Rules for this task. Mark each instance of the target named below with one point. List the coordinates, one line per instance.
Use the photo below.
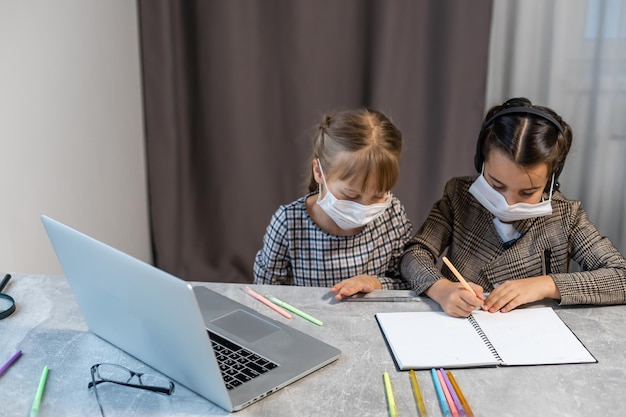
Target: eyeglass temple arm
(126, 384)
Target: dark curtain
(234, 88)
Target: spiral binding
(484, 337)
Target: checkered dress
(297, 252)
(460, 224)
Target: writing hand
(455, 300)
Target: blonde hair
(357, 144)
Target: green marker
(42, 385)
(294, 310)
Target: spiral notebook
(531, 336)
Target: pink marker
(265, 301)
(446, 393)
(455, 398)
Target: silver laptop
(184, 332)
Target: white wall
(71, 128)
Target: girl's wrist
(376, 284)
(550, 288)
(435, 290)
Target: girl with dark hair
(510, 231)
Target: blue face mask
(495, 202)
(349, 214)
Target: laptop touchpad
(245, 326)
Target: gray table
(49, 328)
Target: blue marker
(440, 396)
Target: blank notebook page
(532, 336)
(433, 339)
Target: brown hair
(358, 144)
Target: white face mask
(495, 202)
(349, 214)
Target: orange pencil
(459, 393)
(458, 275)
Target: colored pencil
(294, 310)
(8, 363)
(445, 410)
(455, 398)
(459, 276)
(417, 393)
(389, 393)
(39, 394)
(446, 393)
(265, 301)
(459, 393)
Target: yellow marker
(390, 401)
(418, 393)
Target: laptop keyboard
(238, 365)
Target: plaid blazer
(460, 224)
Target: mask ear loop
(319, 164)
(551, 187)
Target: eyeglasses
(120, 375)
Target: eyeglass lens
(118, 373)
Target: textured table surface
(48, 327)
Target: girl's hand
(511, 294)
(454, 298)
(359, 283)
